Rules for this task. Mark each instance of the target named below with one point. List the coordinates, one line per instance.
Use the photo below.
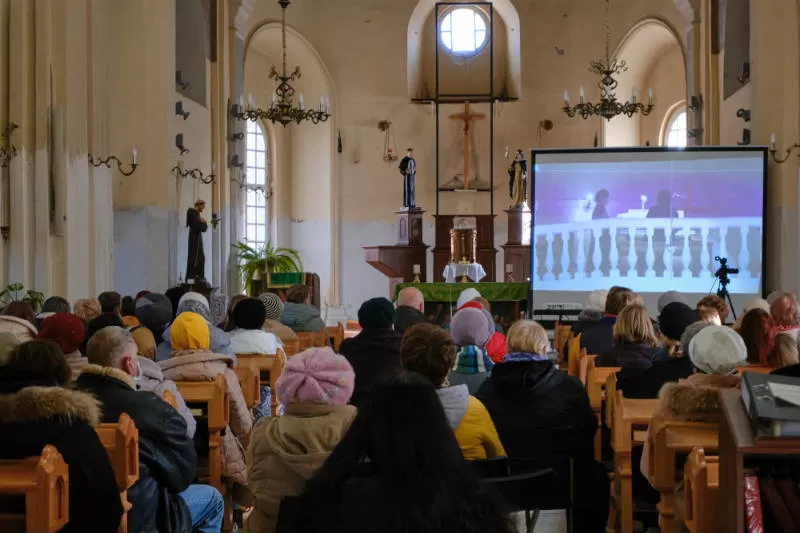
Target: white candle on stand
(650, 95)
(633, 94)
(581, 93)
(302, 106)
(274, 99)
(250, 101)
(417, 269)
(566, 97)
(772, 140)
(134, 155)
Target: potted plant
(257, 263)
(16, 292)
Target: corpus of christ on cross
(467, 117)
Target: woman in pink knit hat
(286, 451)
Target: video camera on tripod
(722, 274)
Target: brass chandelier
(608, 107)
(283, 110)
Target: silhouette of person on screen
(663, 209)
(601, 201)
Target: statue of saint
(408, 168)
(196, 259)
(518, 180)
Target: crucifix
(467, 117)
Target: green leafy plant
(16, 292)
(254, 263)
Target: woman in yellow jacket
(431, 352)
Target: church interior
(574, 223)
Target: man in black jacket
(410, 309)
(163, 498)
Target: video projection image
(650, 220)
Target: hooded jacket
(23, 330)
(220, 343)
(33, 413)
(694, 399)
(471, 423)
(202, 365)
(152, 379)
(167, 459)
(302, 318)
(286, 451)
(374, 355)
(538, 410)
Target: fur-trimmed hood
(696, 398)
(110, 372)
(36, 403)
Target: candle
(650, 95)
(134, 155)
(566, 97)
(581, 91)
(213, 167)
(772, 140)
(250, 101)
(321, 103)
(274, 99)
(301, 101)
(633, 94)
(417, 269)
(509, 268)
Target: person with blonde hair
(600, 337)
(634, 340)
(86, 309)
(785, 311)
(542, 412)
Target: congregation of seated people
(389, 434)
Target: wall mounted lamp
(773, 151)
(179, 144)
(96, 162)
(180, 111)
(194, 173)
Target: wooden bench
(595, 384)
(669, 445)
(336, 334)
(44, 483)
(268, 368)
(575, 356)
(628, 426)
(291, 348)
(561, 335)
(701, 486)
(248, 380)
(761, 369)
(317, 339)
(121, 441)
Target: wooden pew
(336, 334)
(668, 444)
(596, 378)
(583, 371)
(121, 441)
(701, 485)
(291, 348)
(268, 367)
(44, 483)
(313, 339)
(761, 369)
(576, 353)
(169, 398)
(209, 402)
(248, 380)
(630, 421)
(561, 334)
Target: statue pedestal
(517, 255)
(397, 262)
(409, 227)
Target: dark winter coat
(35, 412)
(637, 383)
(531, 403)
(374, 355)
(302, 318)
(167, 458)
(405, 317)
(628, 355)
(599, 337)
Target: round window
(464, 31)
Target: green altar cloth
(448, 292)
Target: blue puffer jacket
(302, 318)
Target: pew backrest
(701, 482)
(575, 355)
(249, 382)
(268, 368)
(336, 334)
(121, 441)
(313, 339)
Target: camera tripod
(724, 280)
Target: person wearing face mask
(163, 498)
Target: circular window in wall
(464, 31)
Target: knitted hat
(596, 301)
(670, 297)
(273, 304)
(376, 313)
(156, 318)
(8, 343)
(717, 350)
(756, 303)
(471, 327)
(249, 314)
(86, 309)
(467, 295)
(675, 318)
(144, 339)
(189, 332)
(155, 299)
(316, 375)
(64, 329)
(193, 302)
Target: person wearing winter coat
(163, 498)
(197, 303)
(600, 337)
(274, 308)
(151, 378)
(8, 343)
(410, 309)
(36, 410)
(634, 340)
(286, 451)
(66, 330)
(471, 329)
(300, 315)
(192, 360)
(715, 351)
(17, 318)
(431, 352)
(375, 352)
(541, 412)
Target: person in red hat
(66, 330)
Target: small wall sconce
(96, 162)
(696, 103)
(7, 154)
(180, 111)
(745, 137)
(194, 173)
(744, 77)
(180, 82)
(236, 162)
(773, 151)
(179, 144)
(743, 114)
(242, 183)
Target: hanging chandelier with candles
(282, 110)
(608, 107)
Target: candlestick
(134, 155)
(250, 101)
(274, 99)
(566, 97)
(650, 95)
(581, 93)
(417, 269)
(633, 94)
(302, 106)
(772, 140)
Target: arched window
(463, 31)
(256, 180)
(675, 130)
